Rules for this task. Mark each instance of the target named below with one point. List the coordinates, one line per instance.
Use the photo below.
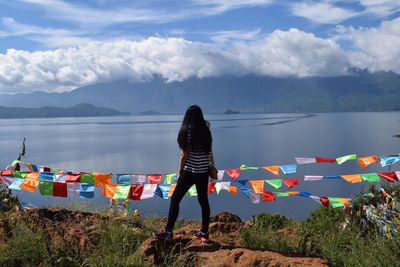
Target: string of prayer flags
(268, 196)
(389, 160)
(313, 177)
(86, 190)
(275, 183)
(286, 169)
(272, 169)
(233, 173)
(281, 194)
(343, 159)
(246, 168)
(301, 161)
(365, 161)
(154, 178)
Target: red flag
(136, 191)
(73, 178)
(211, 188)
(324, 201)
(59, 189)
(290, 182)
(154, 178)
(268, 196)
(389, 176)
(6, 173)
(321, 160)
(234, 173)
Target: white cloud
(282, 53)
(322, 12)
(376, 48)
(228, 36)
(381, 8)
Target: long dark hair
(200, 134)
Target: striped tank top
(197, 161)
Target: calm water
(147, 144)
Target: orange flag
(273, 169)
(352, 178)
(101, 179)
(257, 185)
(233, 190)
(32, 176)
(171, 190)
(365, 161)
(29, 185)
(109, 190)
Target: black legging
(185, 181)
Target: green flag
(246, 168)
(275, 183)
(87, 178)
(122, 191)
(46, 188)
(335, 202)
(169, 178)
(192, 191)
(281, 194)
(370, 177)
(15, 162)
(346, 158)
(18, 174)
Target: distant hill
(358, 91)
(80, 110)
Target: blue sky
(42, 40)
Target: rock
(225, 217)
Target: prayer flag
(336, 202)
(73, 189)
(60, 189)
(29, 185)
(233, 173)
(388, 176)
(316, 199)
(389, 160)
(268, 196)
(257, 185)
(304, 194)
(343, 159)
(46, 188)
(281, 194)
(171, 190)
(46, 176)
(87, 178)
(324, 201)
(242, 182)
(169, 178)
(290, 182)
(136, 191)
(332, 177)
(138, 178)
(305, 160)
(101, 179)
(73, 178)
(148, 191)
(7, 180)
(275, 183)
(293, 193)
(29, 167)
(222, 186)
(122, 191)
(246, 168)
(154, 178)
(365, 161)
(123, 179)
(211, 188)
(86, 190)
(322, 160)
(60, 178)
(162, 190)
(220, 174)
(233, 190)
(244, 190)
(6, 173)
(352, 178)
(313, 177)
(192, 192)
(273, 169)
(370, 177)
(34, 168)
(18, 174)
(32, 176)
(254, 198)
(288, 168)
(15, 185)
(109, 190)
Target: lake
(147, 144)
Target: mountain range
(361, 90)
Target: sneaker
(162, 234)
(200, 235)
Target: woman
(196, 158)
